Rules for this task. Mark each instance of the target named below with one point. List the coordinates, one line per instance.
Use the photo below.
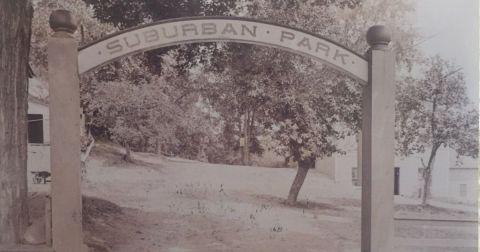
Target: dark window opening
(35, 128)
(396, 185)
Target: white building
(463, 179)
(453, 179)
(38, 157)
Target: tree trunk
(15, 23)
(247, 131)
(427, 172)
(246, 149)
(157, 146)
(250, 135)
(427, 175)
(286, 162)
(201, 155)
(426, 185)
(303, 167)
(128, 156)
(241, 141)
(144, 145)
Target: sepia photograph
(239, 125)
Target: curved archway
(216, 29)
(66, 62)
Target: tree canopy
(434, 111)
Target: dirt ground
(180, 205)
(161, 204)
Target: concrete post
(359, 157)
(67, 234)
(378, 144)
(48, 221)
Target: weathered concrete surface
(378, 153)
(65, 143)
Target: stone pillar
(359, 157)
(378, 144)
(67, 234)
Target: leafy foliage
(92, 28)
(127, 14)
(131, 112)
(434, 111)
(306, 106)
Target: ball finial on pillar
(63, 20)
(378, 37)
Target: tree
(151, 114)
(434, 111)
(303, 124)
(15, 23)
(308, 114)
(248, 70)
(317, 106)
(240, 97)
(134, 115)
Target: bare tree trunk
(426, 185)
(286, 161)
(246, 142)
(303, 167)
(144, 144)
(250, 124)
(427, 172)
(15, 25)
(247, 131)
(201, 155)
(242, 140)
(157, 146)
(128, 156)
(427, 175)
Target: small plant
(221, 189)
(277, 228)
(201, 208)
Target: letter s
(114, 46)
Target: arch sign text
(194, 30)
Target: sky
(455, 24)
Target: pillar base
(26, 248)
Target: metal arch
(178, 31)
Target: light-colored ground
(176, 205)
